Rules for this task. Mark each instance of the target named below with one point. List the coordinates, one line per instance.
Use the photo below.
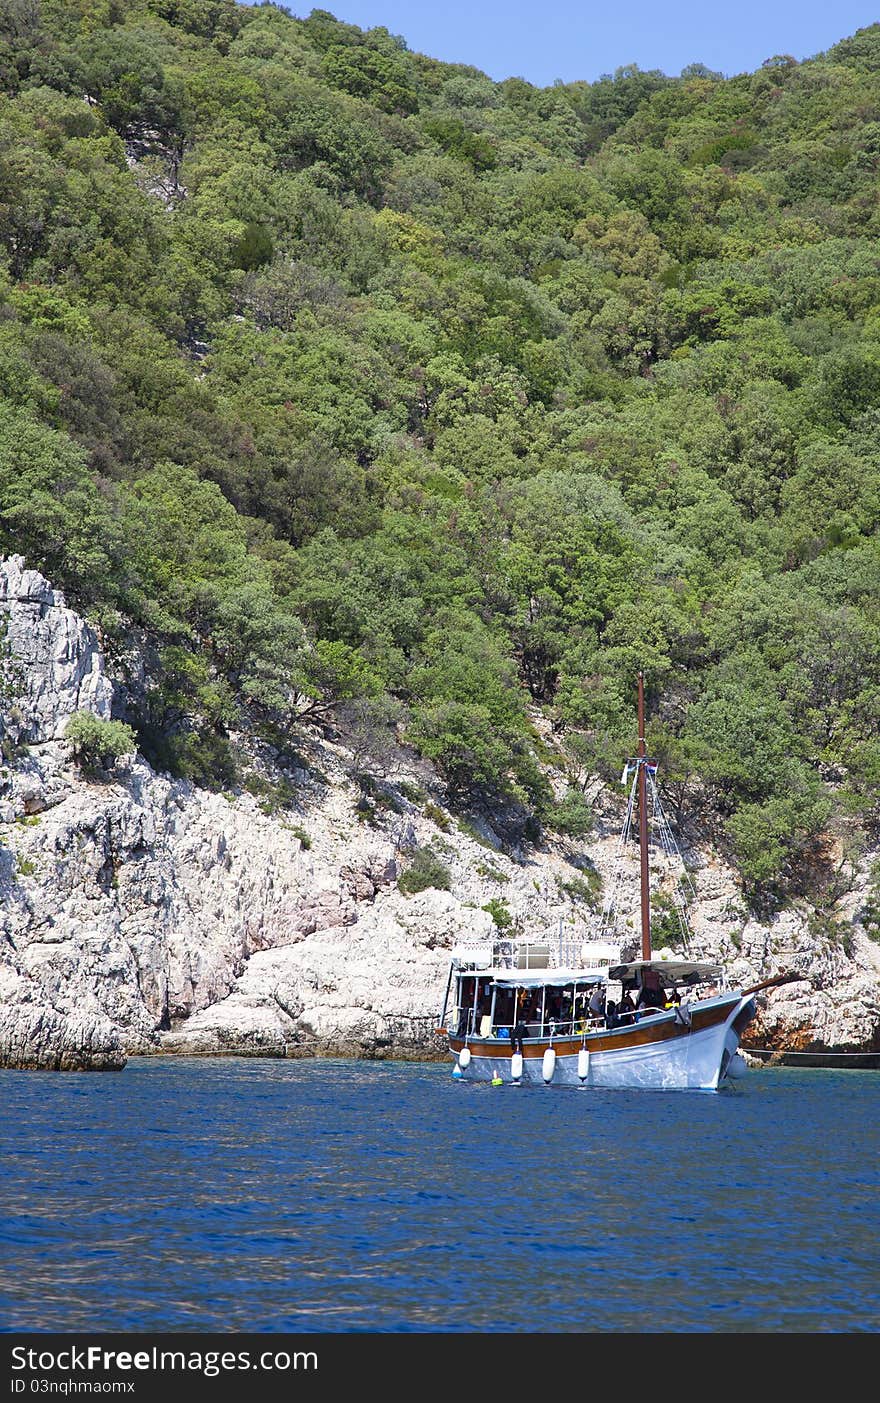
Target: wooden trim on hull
(637, 1035)
(744, 1017)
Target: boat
(548, 1011)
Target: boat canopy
(537, 979)
(670, 971)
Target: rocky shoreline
(143, 915)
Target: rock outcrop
(140, 913)
(55, 656)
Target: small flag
(652, 767)
(625, 776)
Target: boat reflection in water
(550, 1012)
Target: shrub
(488, 869)
(425, 870)
(373, 796)
(412, 792)
(97, 743)
(586, 888)
(499, 913)
(271, 794)
(571, 816)
(202, 755)
(666, 922)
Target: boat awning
(670, 971)
(538, 978)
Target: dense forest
(350, 383)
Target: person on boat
(626, 1008)
(653, 998)
(580, 1013)
(517, 1033)
(651, 994)
(611, 1015)
(597, 1002)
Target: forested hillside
(351, 382)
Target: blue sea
(243, 1195)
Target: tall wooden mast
(643, 827)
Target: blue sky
(542, 40)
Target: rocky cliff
(140, 913)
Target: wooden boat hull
(660, 1052)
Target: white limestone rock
(45, 1027)
(58, 665)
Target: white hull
(693, 1061)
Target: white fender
(737, 1066)
(516, 1066)
(548, 1066)
(583, 1064)
(464, 1058)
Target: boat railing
(463, 1023)
(550, 952)
(469, 1027)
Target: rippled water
(238, 1195)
